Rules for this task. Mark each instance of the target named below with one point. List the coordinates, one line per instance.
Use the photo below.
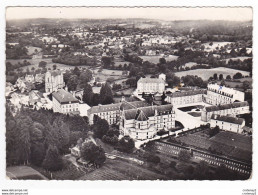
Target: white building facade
(219, 95)
(227, 123)
(186, 97)
(54, 80)
(65, 103)
(144, 123)
(151, 85)
(224, 110)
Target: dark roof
(226, 106)
(228, 119)
(151, 80)
(64, 97)
(124, 105)
(188, 93)
(55, 73)
(144, 113)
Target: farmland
(23, 172)
(35, 63)
(118, 169)
(228, 143)
(214, 45)
(205, 74)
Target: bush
(154, 159)
(184, 155)
(172, 164)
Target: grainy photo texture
(116, 93)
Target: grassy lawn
(195, 114)
(24, 172)
(205, 74)
(69, 172)
(155, 59)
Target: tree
(93, 153)
(238, 75)
(76, 71)
(246, 85)
(106, 94)
(228, 77)
(87, 94)
(215, 76)
(162, 61)
(184, 155)
(213, 131)
(220, 77)
(107, 61)
(85, 77)
(126, 144)
(72, 83)
(52, 161)
(24, 125)
(153, 158)
(42, 64)
(100, 128)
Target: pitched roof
(226, 106)
(188, 93)
(151, 80)
(64, 97)
(144, 113)
(55, 73)
(124, 105)
(228, 119)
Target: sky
(234, 14)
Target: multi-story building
(54, 80)
(228, 123)
(144, 123)
(218, 95)
(111, 112)
(186, 97)
(151, 85)
(64, 102)
(224, 110)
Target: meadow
(155, 59)
(205, 74)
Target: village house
(64, 102)
(111, 112)
(144, 123)
(218, 95)
(54, 80)
(228, 123)
(186, 97)
(39, 78)
(151, 85)
(224, 110)
(9, 88)
(29, 78)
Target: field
(31, 50)
(155, 59)
(228, 143)
(209, 48)
(122, 170)
(24, 172)
(238, 58)
(35, 63)
(205, 74)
